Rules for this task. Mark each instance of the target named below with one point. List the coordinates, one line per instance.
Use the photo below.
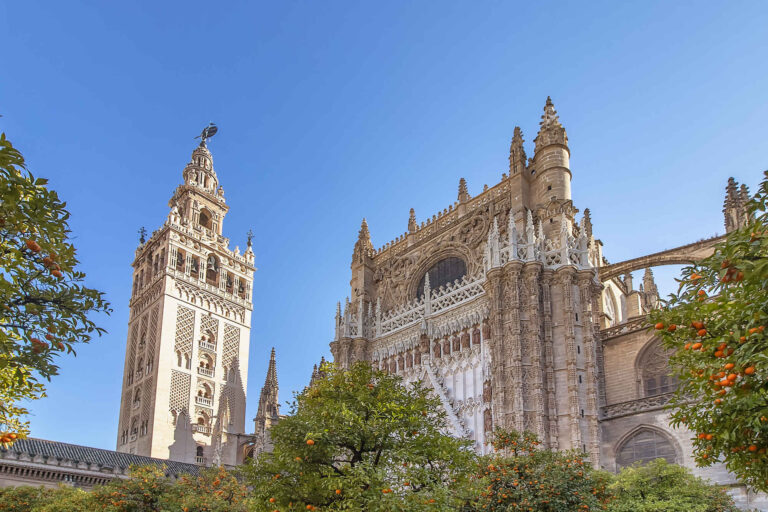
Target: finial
(412, 221)
(250, 240)
(463, 192)
(142, 235)
(364, 234)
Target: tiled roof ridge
(80, 453)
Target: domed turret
(199, 171)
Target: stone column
(532, 340)
(496, 391)
(565, 277)
(549, 360)
(588, 291)
(512, 340)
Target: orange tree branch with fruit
(360, 439)
(716, 323)
(521, 476)
(44, 308)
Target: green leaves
(360, 440)
(44, 309)
(720, 314)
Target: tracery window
(654, 371)
(644, 446)
(442, 273)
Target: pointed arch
(652, 371)
(645, 443)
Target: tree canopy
(45, 310)
(716, 324)
(358, 439)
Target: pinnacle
(412, 226)
(463, 191)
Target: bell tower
(186, 363)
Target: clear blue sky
(330, 111)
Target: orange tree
(716, 324)
(214, 490)
(359, 439)
(44, 308)
(522, 477)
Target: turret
(549, 171)
(199, 203)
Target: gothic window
(654, 370)
(644, 446)
(212, 270)
(205, 219)
(199, 451)
(443, 272)
(230, 283)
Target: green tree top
(716, 324)
(359, 439)
(44, 308)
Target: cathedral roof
(105, 458)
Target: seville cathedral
(505, 305)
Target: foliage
(662, 487)
(40, 499)
(215, 490)
(520, 476)
(716, 325)
(147, 490)
(45, 308)
(359, 439)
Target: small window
(549, 187)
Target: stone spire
(463, 192)
(550, 131)
(735, 206)
(517, 156)
(412, 221)
(651, 298)
(269, 407)
(363, 246)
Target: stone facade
(186, 363)
(504, 304)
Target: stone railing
(208, 346)
(205, 371)
(650, 403)
(631, 325)
(200, 460)
(434, 302)
(202, 429)
(208, 402)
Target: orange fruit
(338, 491)
(696, 346)
(310, 442)
(702, 332)
(659, 325)
(749, 370)
(672, 328)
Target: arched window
(644, 446)
(609, 307)
(212, 270)
(205, 219)
(180, 260)
(199, 451)
(653, 370)
(442, 273)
